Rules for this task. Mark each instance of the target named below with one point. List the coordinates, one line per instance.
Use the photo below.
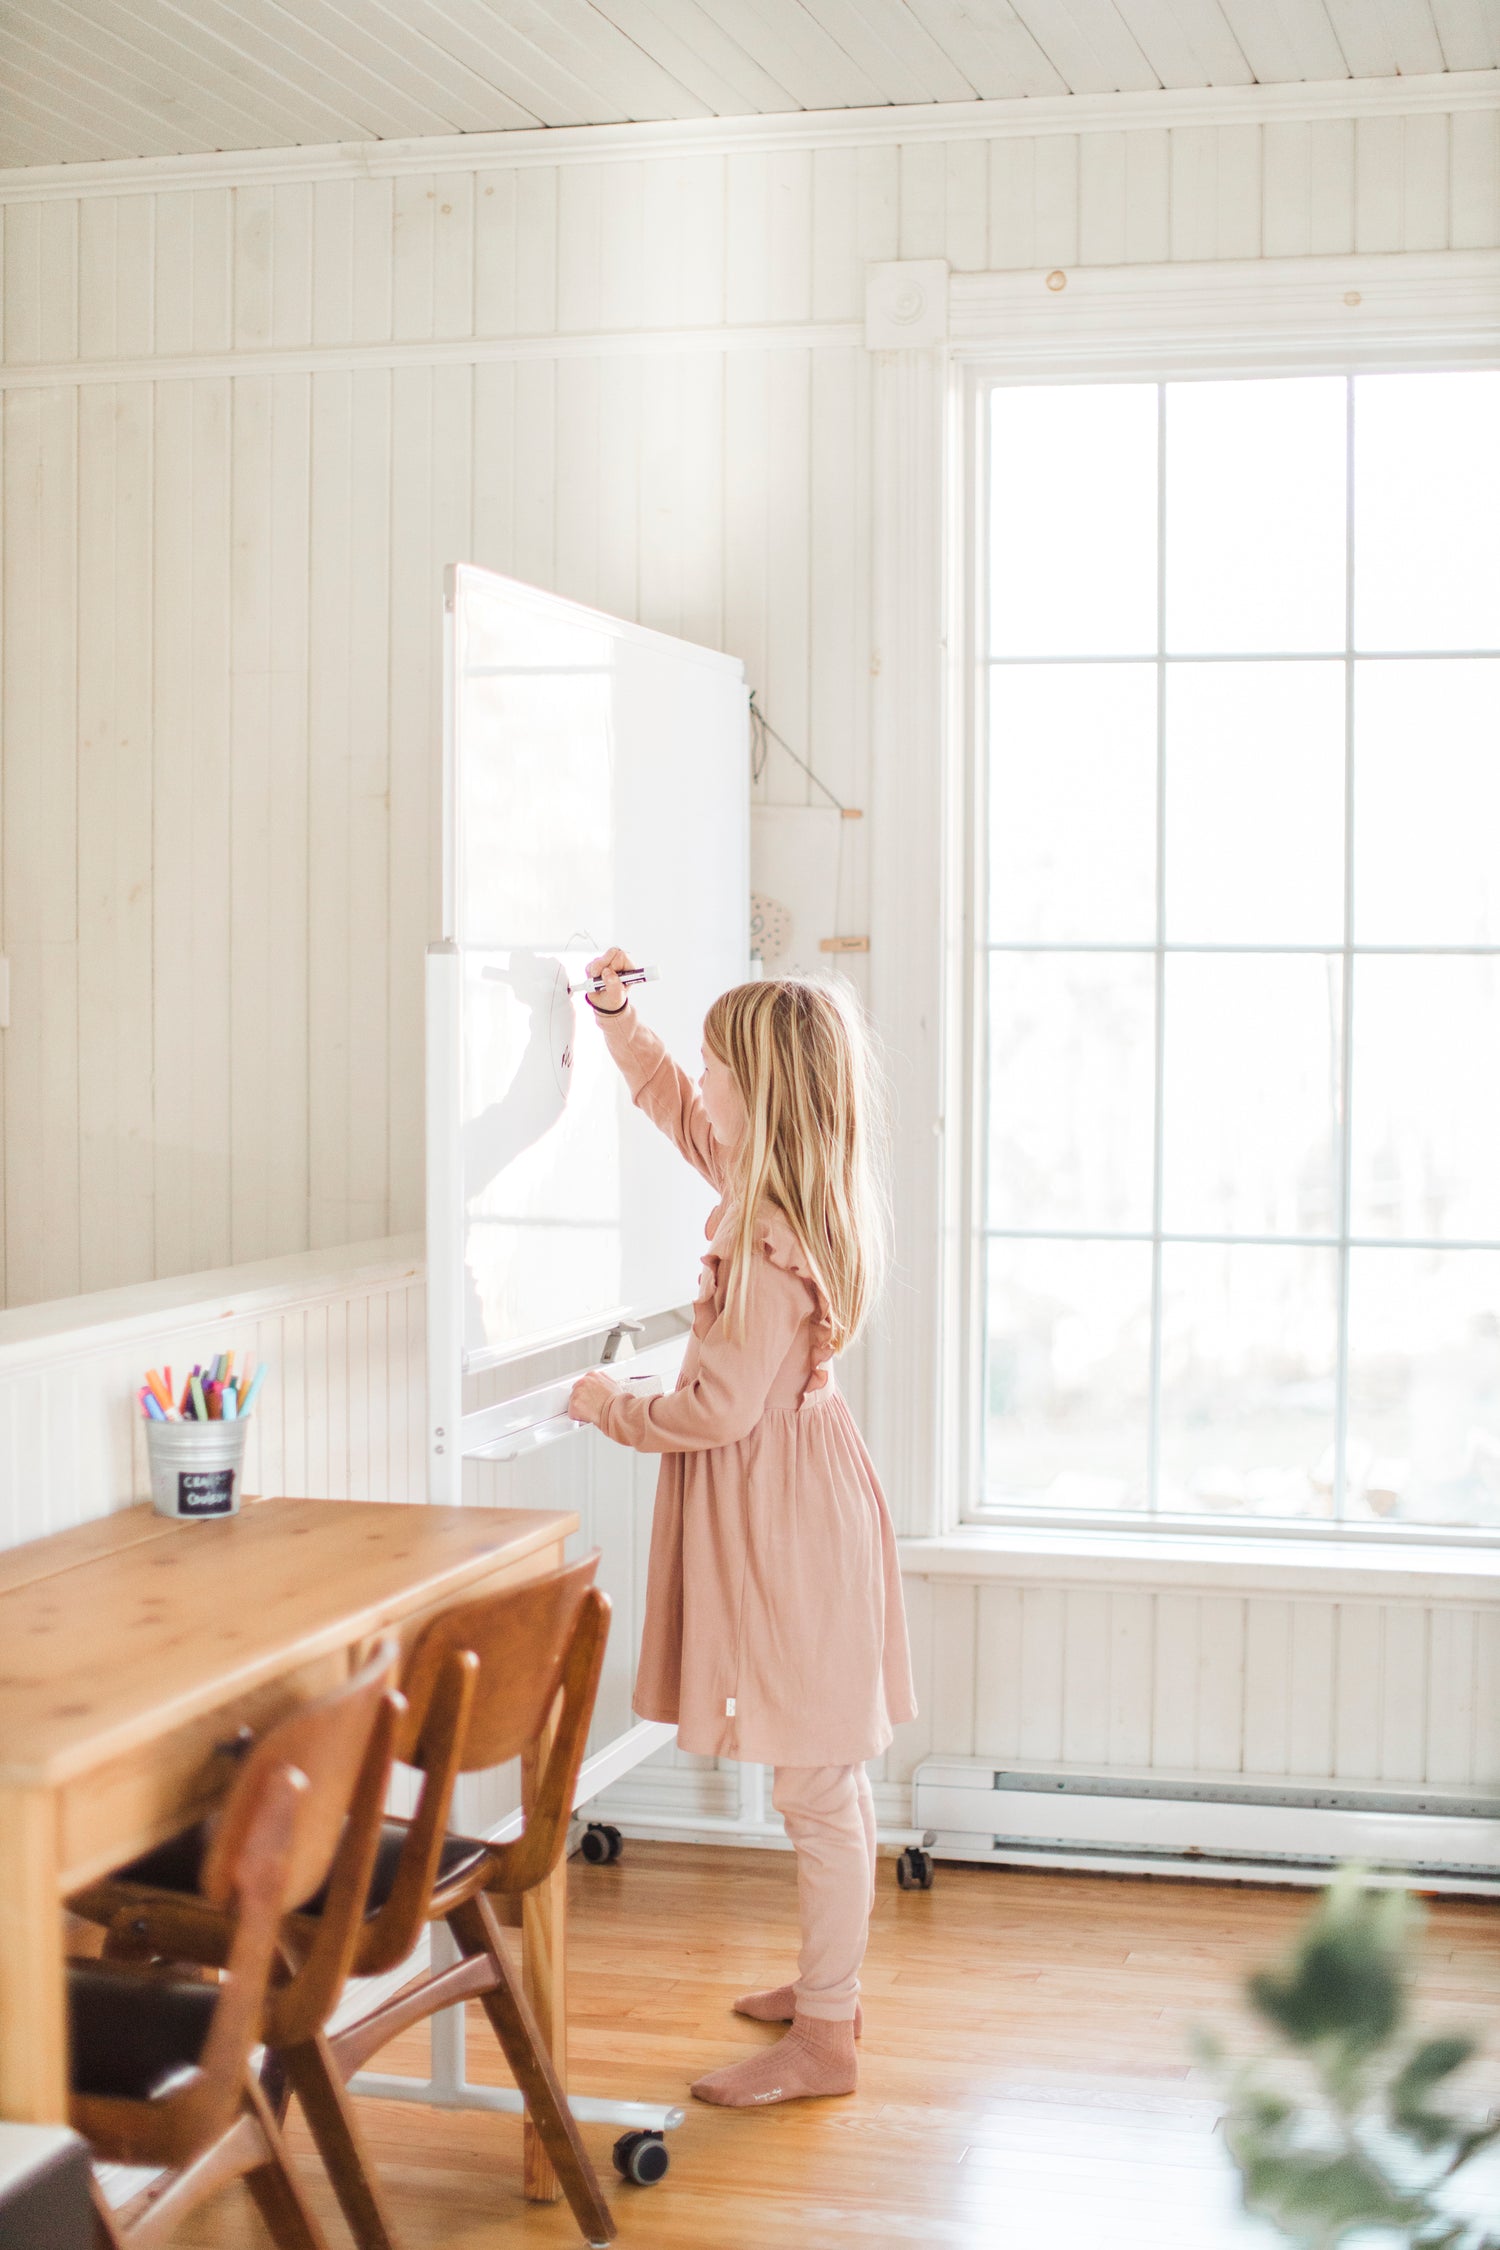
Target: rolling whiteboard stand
(595, 790)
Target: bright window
(1239, 1218)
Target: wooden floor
(1026, 2076)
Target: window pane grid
(1160, 1239)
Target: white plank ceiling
(90, 79)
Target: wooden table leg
(33, 1992)
(544, 1966)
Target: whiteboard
(596, 792)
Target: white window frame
(1300, 316)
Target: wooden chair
(482, 1684)
(161, 2058)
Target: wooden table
(132, 1648)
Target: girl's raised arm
(658, 1085)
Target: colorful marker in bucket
(210, 1394)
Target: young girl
(774, 1627)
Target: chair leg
(275, 2084)
(314, 2076)
(477, 1930)
(277, 2191)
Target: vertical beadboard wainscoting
(1161, 1656)
(340, 1332)
(1351, 1686)
(1276, 1702)
(342, 1416)
(1166, 1672)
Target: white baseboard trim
(1239, 1827)
(684, 1804)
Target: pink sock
(815, 2057)
(779, 2005)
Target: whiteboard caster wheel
(914, 1870)
(641, 2157)
(601, 1845)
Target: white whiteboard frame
(536, 1415)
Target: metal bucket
(196, 1467)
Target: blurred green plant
(1341, 2129)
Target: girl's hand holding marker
(210, 1394)
(605, 980)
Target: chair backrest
(522, 1638)
(343, 1745)
(328, 1741)
(297, 1811)
(481, 1682)
(252, 1881)
(540, 1650)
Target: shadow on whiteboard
(537, 1225)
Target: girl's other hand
(590, 1396)
(612, 995)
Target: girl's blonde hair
(814, 1137)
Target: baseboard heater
(1255, 1830)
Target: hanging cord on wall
(762, 732)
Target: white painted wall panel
(219, 649)
(724, 495)
(1136, 1676)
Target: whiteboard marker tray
(520, 1425)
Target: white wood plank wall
(244, 425)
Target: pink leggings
(830, 1818)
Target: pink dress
(774, 1630)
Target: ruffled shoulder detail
(778, 1243)
(716, 1228)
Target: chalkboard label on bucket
(205, 1492)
